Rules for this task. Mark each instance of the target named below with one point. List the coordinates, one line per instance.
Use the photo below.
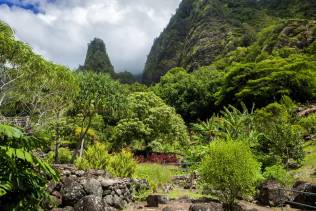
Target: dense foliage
(202, 31)
(23, 176)
(150, 124)
(235, 110)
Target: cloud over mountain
(61, 29)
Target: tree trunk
(81, 140)
(81, 148)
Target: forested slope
(202, 31)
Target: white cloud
(61, 33)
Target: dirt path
(184, 206)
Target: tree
(97, 59)
(16, 61)
(192, 95)
(282, 138)
(99, 94)
(270, 79)
(23, 176)
(230, 168)
(149, 125)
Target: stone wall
(92, 190)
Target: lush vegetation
(229, 104)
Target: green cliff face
(203, 31)
(97, 59)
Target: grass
(181, 193)
(308, 169)
(156, 175)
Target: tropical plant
(95, 157)
(122, 164)
(23, 176)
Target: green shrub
(230, 168)
(309, 123)
(122, 164)
(64, 156)
(95, 157)
(278, 173)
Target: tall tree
(98, 94)
(97, 59)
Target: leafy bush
(95, 157)
(309, 123)
(23, 176)
(122, 164)
(64, 156)
(278, 173)
(282, 138)
(230, 167)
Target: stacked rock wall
(91, 190)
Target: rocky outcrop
(308, 199)
(269, 193)
(92, 190)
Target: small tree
(230, 168)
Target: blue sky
(32, 6)
(61, 29)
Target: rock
(170, 209)
(118, 202)
(66, 173)
(108, 200)
(163, 199)
(71, 191)
(92, 187)
(118, 191)
(244, 207)
(57, 209)
(206, 207)
(152, 201)
(269, 194)
(90, 203)
(56, 199)
(304, 198)
(68, 208)
(107, 182)
(79, 173)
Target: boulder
(152, 200)
(92, 187)
(90, 203)
(71, 192)
(269, 194)
(118, 202)
(206, 207)
(304, 198)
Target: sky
(60, 30)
